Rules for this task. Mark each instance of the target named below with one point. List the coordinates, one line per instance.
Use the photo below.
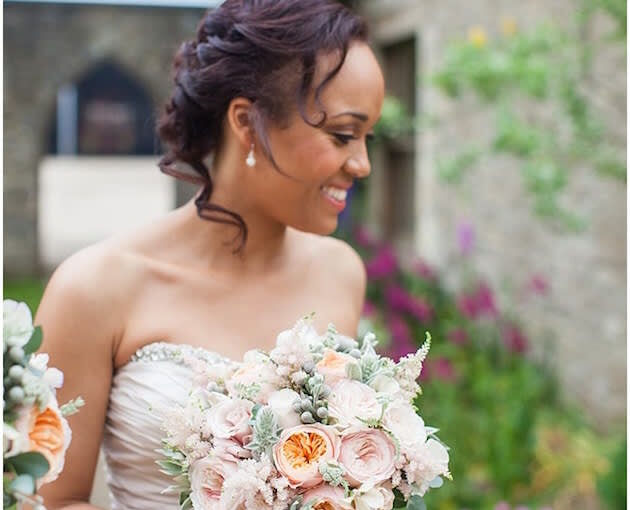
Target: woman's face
(321, 163)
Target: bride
(272, 104)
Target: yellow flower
(508, 26)
(477, 37)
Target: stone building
(61, 60)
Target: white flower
(207, 477)
(259, 375)
(374, 498)
(18, 323)
(385, 384)
(426, 462)
(229, 419)
(281, 403)
(293, 347)
(402, 421)
(351, 401)
(52, 377)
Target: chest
(231, 317)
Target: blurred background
(495, 215)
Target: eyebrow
(361, 116)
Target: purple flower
(402, 343)
(369, 309)
(364, 238)
(423, 270)
(502, 506)
(384, 264)
(443, 369)
(485, 300)
(458, 336)
(514, 339)
(465, 238)
(538, 284)
(400, 300)
(467, 306)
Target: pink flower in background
(369, 309)
(440, 369)
(485, 300)
(502, 506)
(383, 264)
(538, 284)
(465, 238)
(422, 269)
(458, 336)
(364, 238)
(467, 306)
(402, 343)
(514, 339)
(400, 300)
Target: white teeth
(336, 193)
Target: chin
(323, 228)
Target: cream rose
(229, 419)
(299, 451)
(402, 421)
(281, 403)
(207, 476)
(230, 450)
(375, 498)
(350, 400)
(326, 497)
(333, 366)
(368, 455)
(253, 372)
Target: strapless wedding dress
(156, 378)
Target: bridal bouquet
(318, 423)
(36, 434)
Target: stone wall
(586, 308)
(47, 46)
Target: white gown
(156, 378)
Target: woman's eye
(344, 139)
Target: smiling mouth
(337, 194)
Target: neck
(216, 243)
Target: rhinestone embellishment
(165, 351)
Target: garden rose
(402, 421)
(281, 402)
(17, 323)
(229, 419)
(333, 366)
(300, 449)
(350, 400)
(255, 373)
(368, 455)
(230, 450)
(375, 498)
(207, 476)
(327, 497)
(48, 433)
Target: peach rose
(300, 449)
(206, 481)
(350, 400)
(368, 455)
(230, 419)
(260, 372)
(327, 497)
(333, 366)
(49, 434)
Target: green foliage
(493, 402)
(537, 70)
(612, 486)
(28, 290)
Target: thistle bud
(308, 367)
(307, 418)
(16, 372)
(355, 353)
(16, 354)
(322, 413)
(16, 394)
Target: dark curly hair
(262, 50)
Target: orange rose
(300, 449)
(48, 434)
(333, 366)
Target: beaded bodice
(158, 377)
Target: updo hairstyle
(262, 50)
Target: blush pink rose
(327, 497)
(369, 456)
(333, 366)
(299, 451)
(207, 476)
(255, 371)
(229, 419)
(350, 401)
(230, 450)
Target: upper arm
(79, 325)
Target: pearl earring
(250, 161)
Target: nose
(358, 165)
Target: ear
(238, 117)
